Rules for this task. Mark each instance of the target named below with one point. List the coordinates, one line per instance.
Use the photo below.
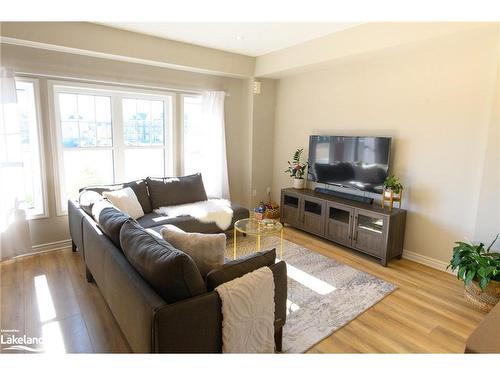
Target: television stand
(340, 194)
(367, 228)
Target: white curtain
(214, 166)
(14, 230)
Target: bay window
(21, 162)
(107, 136)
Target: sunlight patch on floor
(46, 308)
(309, 281)
(53, 341)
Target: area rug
(323, 295)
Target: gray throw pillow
(239, 267)
(207, 250)
(170, 272)
(110, 219)
(172, 191)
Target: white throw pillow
(207, 250)
(126, 201)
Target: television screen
(360, 163)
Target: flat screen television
(360, 163)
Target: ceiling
(252, 39)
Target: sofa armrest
(195, 325)
(189, 326)
(237, 268)
(280, 293)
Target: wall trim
(51, 246)
(42, 248)
(109, 56)
(427, 261)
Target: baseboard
(46, 247)
(427, 261)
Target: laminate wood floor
(47, 295)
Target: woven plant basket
(486, 300)
(272, 213)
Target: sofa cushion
(172, 191)
(126, 201)
(110, 219)
(170, 272)
(190, 224)
(139, 187)
(237, 268)
(207, 250)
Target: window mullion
(176, 139)
(118, 140)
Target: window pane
(20, 157)
(85, 120)
(69, 107)
(143, 162)
(143, 122)
(193, 134)
(70, 133)
(86, 167)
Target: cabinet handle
(355, 229)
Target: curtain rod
(97, 81)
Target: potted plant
(479, 268)
(392, 186)
(296, 169)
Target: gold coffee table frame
(254, 227)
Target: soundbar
(340, 194)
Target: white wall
(263, 141)
(436, 98)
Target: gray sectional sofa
(155, 292)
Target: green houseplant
(479, 268)
(393, 184)
(297, 169)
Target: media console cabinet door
(313, 215)
(370, 232)
(338, 223)
(290, 209)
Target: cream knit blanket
(248, 313)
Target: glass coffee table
(258, 228)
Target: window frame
(117, 94)
(180, 129)
(30, 214)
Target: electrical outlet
(268, 190)
(254, 192)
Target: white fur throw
(248, 313)
(216, 211)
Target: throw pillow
(207, 250)
(139, 187)
(126, 201)
(170, 272)
(110, 219)
(172, 191)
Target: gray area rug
(323, 295)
